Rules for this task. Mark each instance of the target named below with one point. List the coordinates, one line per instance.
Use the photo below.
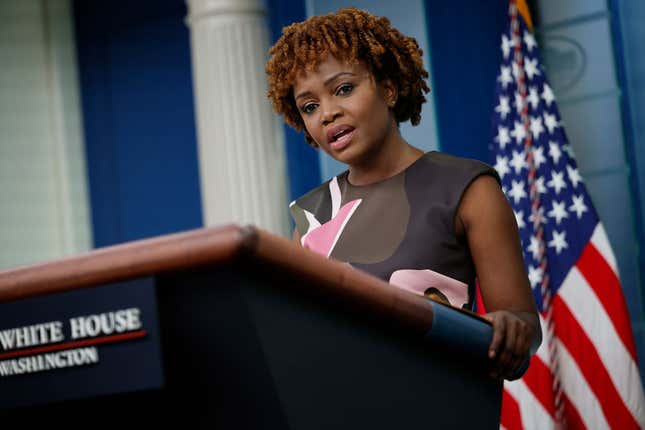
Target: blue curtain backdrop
(136, 89)
(465, 57)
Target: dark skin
(346, 95)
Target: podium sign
(78, 344)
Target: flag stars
(539, 159)
(503, 108)
(547, 95)
(501, 165)
(529, 41)
(535, 275)
(569, 150)
(539, 185)
(517, 191)
(578, 205)
(555, 152)
(536, 127)
(505, 77)
(558, 211)
(518, 162)
(574, 176)
(530, 133)
(535, 248)
(519, 132)
(557, 182)
(551, 122)
(533, 98)
(503, 137)
(558, 241)
(507, 44)
(531, 68)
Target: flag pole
(519, 6)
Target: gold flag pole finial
(523, 8)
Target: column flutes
(241, 156)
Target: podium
(232, 327)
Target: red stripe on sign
(572, 416)
(511, 417)
(538, 379)
(602, 279)
(569, 331)
(75, 344)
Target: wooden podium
(244, 330)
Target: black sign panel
(82, 343)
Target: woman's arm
(486, 219)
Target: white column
(241, 155)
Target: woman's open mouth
(339, 137)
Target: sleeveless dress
(401, 229)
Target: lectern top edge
(124, 261)
(216, 246)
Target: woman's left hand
(512, 339)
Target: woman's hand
(513, 336)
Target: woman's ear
(390, 92)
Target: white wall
(43, 191)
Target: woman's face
(345, 111)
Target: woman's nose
(330, 113)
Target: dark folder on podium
(232, 327)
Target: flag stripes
(573, 419)
(601, 242)
(511, 418)
(583, 401)
(596, 328)
(538, 380)
(532, 410)
(606, 287)
(615, 391)
(582, 351)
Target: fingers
(507, 355)
(521, 348)
(520, 352)
(499, 329)
(510, 344)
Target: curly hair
(350, 35)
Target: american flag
(585, 374)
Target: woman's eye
(344, 89)
(309, 107)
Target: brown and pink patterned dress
(401, 229)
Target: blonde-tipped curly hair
(351, 35)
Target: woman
(430, 223)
